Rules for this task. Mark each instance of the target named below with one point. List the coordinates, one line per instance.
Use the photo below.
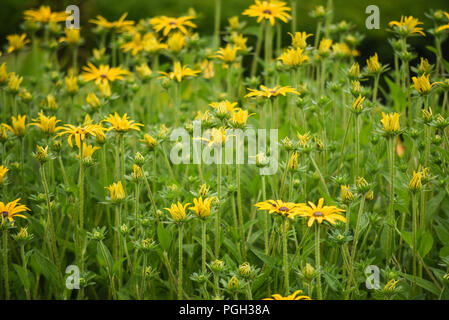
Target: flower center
(267, 11)
(283, 209)
(318, 214)
(173, 23)
(103, 76)
(5, 214)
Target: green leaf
(46, 267)
(270, 261)
(164, 237)
(442, 234)
(425, 284)
(23, 275)
(425, 244)
(407, 236)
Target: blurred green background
(350, 10)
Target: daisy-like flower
(271, 92)
(150, 142)
(416, 181)
(299, 39)
(48, 125)
(294, 57)
(120, 25)
(268, 10)
(88, 150)
(72, 36)
(373, 64)
(136, 45)
(304, 139)
(178, 211)
(227, 54)
(3, 171)
(217, 137)
(445, 26)
(116, 191)
(407, 26)
(223, 109)
(202, 207)
(391, 123)
(240, 117)
(239, 41)
(179, 72)
(294, 296)
(151, 44)
(78, 132)
(168, 24)
(321, 213)
(103, 74)
(16, 42)
(18, 125)
(279, 207)
(121, 124)
(176, 41)
(422, 84)
(45, 15)
(12, 209)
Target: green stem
(391, 204)
(284, 256)
(180, 262)
(317, 260)
(5, 263)
(240, 213)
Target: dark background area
(11, 15)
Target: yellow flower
(299, 39)
(12, 210)
(239, 42)
(118, 26)
(121, 124)
(346, 194)
(390, 122)
(234, 23)
(304, 139)
(179, 72)
(342, 50)
(227, 54)
(103, 74)
(422, 84)
(321, 213)
(176, 41)
(240, 117)
(293, 296)
(218, 137)
(16, 42)
(293, 161)
(446, 26)
(168, 24)
(357, 104)
(270, 92)
(136, 45)
(223, 109)
(3, 171)
(72, 36)
(78, 132)
(149, 141)
(415, 183)
(151, 44)
(202, 207)
(25, 95)
(14, 82)
(41, 154)
(144, 71)
(324, 46)
(105, 89)
(46, 124)
(116, 191)
(407, 26)
(88, 150)
(18, 125)
(3, 74)
(93, 100)
(178, 211)
(207, 68)
(279, 207)
(294, 57)
(71, 84)
(373, 63)
(45, 15)
(269, 10)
